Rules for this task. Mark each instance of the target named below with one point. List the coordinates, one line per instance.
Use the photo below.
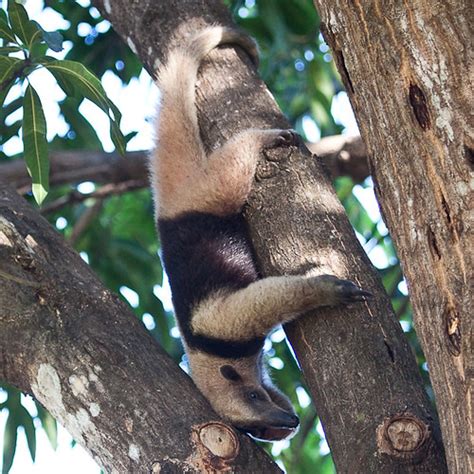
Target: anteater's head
(241, 392)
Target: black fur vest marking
(203, 253)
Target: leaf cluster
(295, 60)
(24, 49)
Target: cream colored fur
(183, 177)
(219, 184)
(253, 311)
(205, 371)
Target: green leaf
(38, 50)
(9, 443)
(7, 75)
(35, 144)
(117, 137)
(25, 420)
(9, 49)
(54, 39)
(65, 81)
(91, 88)
(7, 67)
(8, 109)
(88, 84)
(85, 132)
(7, 132)
(22, 26)
(49, 425)
(130, 136)
(6, 32)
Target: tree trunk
(420, 142)
(82, 353)
(356, 361)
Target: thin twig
(86, 218)
(103, 192)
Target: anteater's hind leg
(231, 169)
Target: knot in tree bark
(403, 436)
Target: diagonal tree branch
(82, 353)
(356, 361)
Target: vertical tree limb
(407, 67)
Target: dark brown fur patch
(204, 254)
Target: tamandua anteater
(223, 308)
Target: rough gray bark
(343, 156)
(356, 361)
(420, 140)
(82, 353)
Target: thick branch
(78, 166)
(407, 68)
(357, 363)
(82, 353)
(343, 156)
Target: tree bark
(420, 143)
(343, 156)
(82, 353)
(356, 361)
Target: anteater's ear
(229, 373)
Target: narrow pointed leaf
(3, 93)
(90, 87)
(117, 138)
(49, 425)
(22, 26)
(6, 110)
(9, 443)
(35, 144)
(86, 133)
(65, 81)
(25, 420)
(38, 50)
(7, 75)
(6, 32)
(130, 136)
(7, 132)
(9, 49)
(83, 79)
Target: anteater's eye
(254, 395)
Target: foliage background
(120, 241)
